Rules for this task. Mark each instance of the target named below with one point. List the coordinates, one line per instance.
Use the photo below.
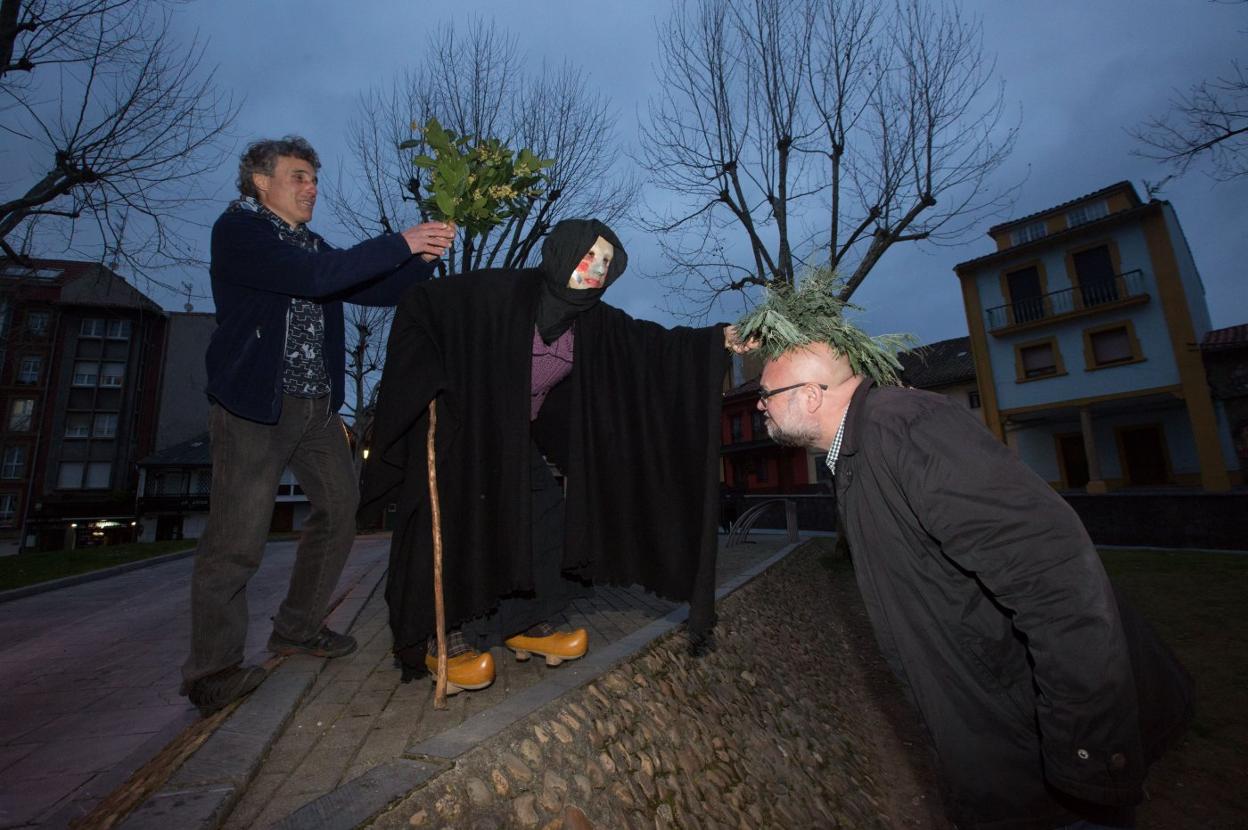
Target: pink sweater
(551, 364)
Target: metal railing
(1056, 303)
(740, 530)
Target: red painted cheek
(583, 265)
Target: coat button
(1083, 754)
(1117, 761)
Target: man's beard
(804, 436)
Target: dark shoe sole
(288, 650)
(251, 680)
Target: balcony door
(1026, 295)
(1143, 455)
(1094, 268)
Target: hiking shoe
(216, 691)
(325, 643)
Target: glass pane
(1038, 360)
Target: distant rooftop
(938, 364)
(1104, 191)
(1231, 337)
(192, 452)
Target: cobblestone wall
(781, 726)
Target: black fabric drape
(635, 428)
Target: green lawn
(29, 568)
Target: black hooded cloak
(634, 428)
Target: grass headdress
(789, 319)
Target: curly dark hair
(261, 157)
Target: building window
(1086, 213)
(13, 464)
(118, 330)
(1026, 291)
(21, 414)
(8, 507)
(111, 374)
(1111, 345)
(77, 425)
(69, 475)
(74, 475)
(734, 425)
(30, 369)
(105, 425)
(1095, 271)
(86, 373)
(37, 322)
(972, 399)
(91, 327)
(758, 425)
(1039, 359)
(1028, 233)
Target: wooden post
(439, 607)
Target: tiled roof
(938, 364)
(1231, 337)
(1103, 191)
(195, 451)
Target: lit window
(91, 327)
(30, 369)
(8, 507)
(105, 425)
(37, 322)
(77, 425)
(13, 464)
(85, 373)
(1038, 360)
(1111, 346)
(1028, 233)
(21, 414)
(1086, 213)
(111, 374)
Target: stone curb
(92, 576)
(358, 801)
(201, 793)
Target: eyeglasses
(764, 394)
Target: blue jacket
(254, 276)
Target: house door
(1143, 455)
(1074, 460)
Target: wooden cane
(439, 608)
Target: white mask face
(591, 271)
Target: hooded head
(559, 302)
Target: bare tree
(1209, 121)
(114, 118)
(367, 328)
(802, 133)
(476, 84)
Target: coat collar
(857, 412)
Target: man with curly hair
(276, 366)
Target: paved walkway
(359, 718)
(89, 678)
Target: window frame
(11, 414)
(1059, 365)
(19, 463)
(1133, 343)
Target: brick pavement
(358, 717)
(89, 678)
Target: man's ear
(814, 398)
(261, 182)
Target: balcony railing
(1057, 303)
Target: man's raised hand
(430, 240)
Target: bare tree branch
(791, 133)
(118, 122)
